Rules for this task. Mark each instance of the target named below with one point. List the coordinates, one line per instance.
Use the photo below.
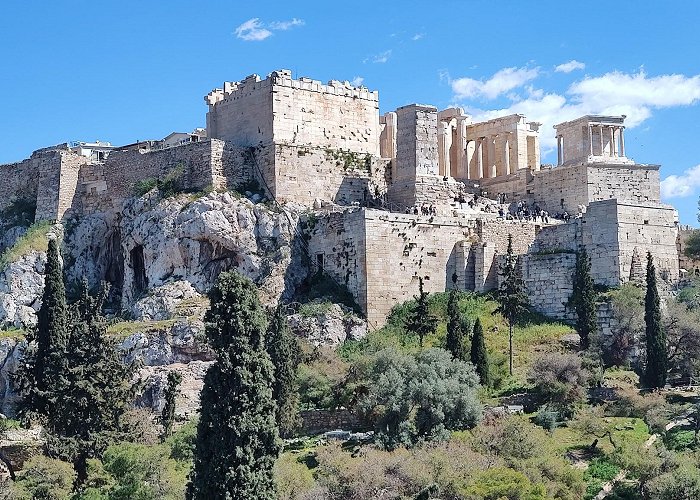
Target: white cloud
(501, 82)
(255, 30)
(635, 95)
(570, 66)
(285, 25)
(252, 30)
(357, 81)
(680, 186)
(380, 58)
(417, 36)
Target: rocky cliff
(160, 257)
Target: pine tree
(419, 321)
(456, 328)
(583, 299)
(511, 295)
(283, 348)
(657, 355)
(40, 374)
(237, 439)
(479, 356)
(167, 416)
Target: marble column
(622, 141)
(559, 150)
(479, 152)
(590, 140)
(613, 152)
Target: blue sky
(133, 70)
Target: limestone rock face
(9, 236)
(162, 303)
(182, 342)
(156, 380)
(194, 240)
(326, 324)
(21, 285)
(9, 363)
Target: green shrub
(292, 478)
(47, 479)
(315, 309)
(499, 482)
(144, 186)
(547, 418)
(678, 439)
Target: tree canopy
(237, 437)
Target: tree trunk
(80, 467)
(510, 345)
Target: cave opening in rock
(138, 264)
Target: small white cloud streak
(285, 25)
(357, 81)
(570, 66)
(681, 186)
(501, 82)
(254, 30)
(380, 58)
(417, 36)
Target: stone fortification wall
(648, 228)
(303, 174)
(558, 238)
(302, 112)
(612, 230)
(561, 188)
(565, 188)
(381, 255)
(337, 115)
(514, 186)
(416, 142)
(19, 181)
(337, 245)
(241, 112)
(426, 190)
(549, 282)
(58, 173)
(194, 166)
(636, 183)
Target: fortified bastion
(416, 193)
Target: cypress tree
(479, 356)
(43, 362)
(583, 299)
(419, 321)
(657, 355)
(167, 416)
(98, 388)
(283, 348)
(237, 439)
(456, 328)
(511, 295)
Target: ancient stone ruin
(415, 193)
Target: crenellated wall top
(283, 78)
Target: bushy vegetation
(439, 433)
(33, 240)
